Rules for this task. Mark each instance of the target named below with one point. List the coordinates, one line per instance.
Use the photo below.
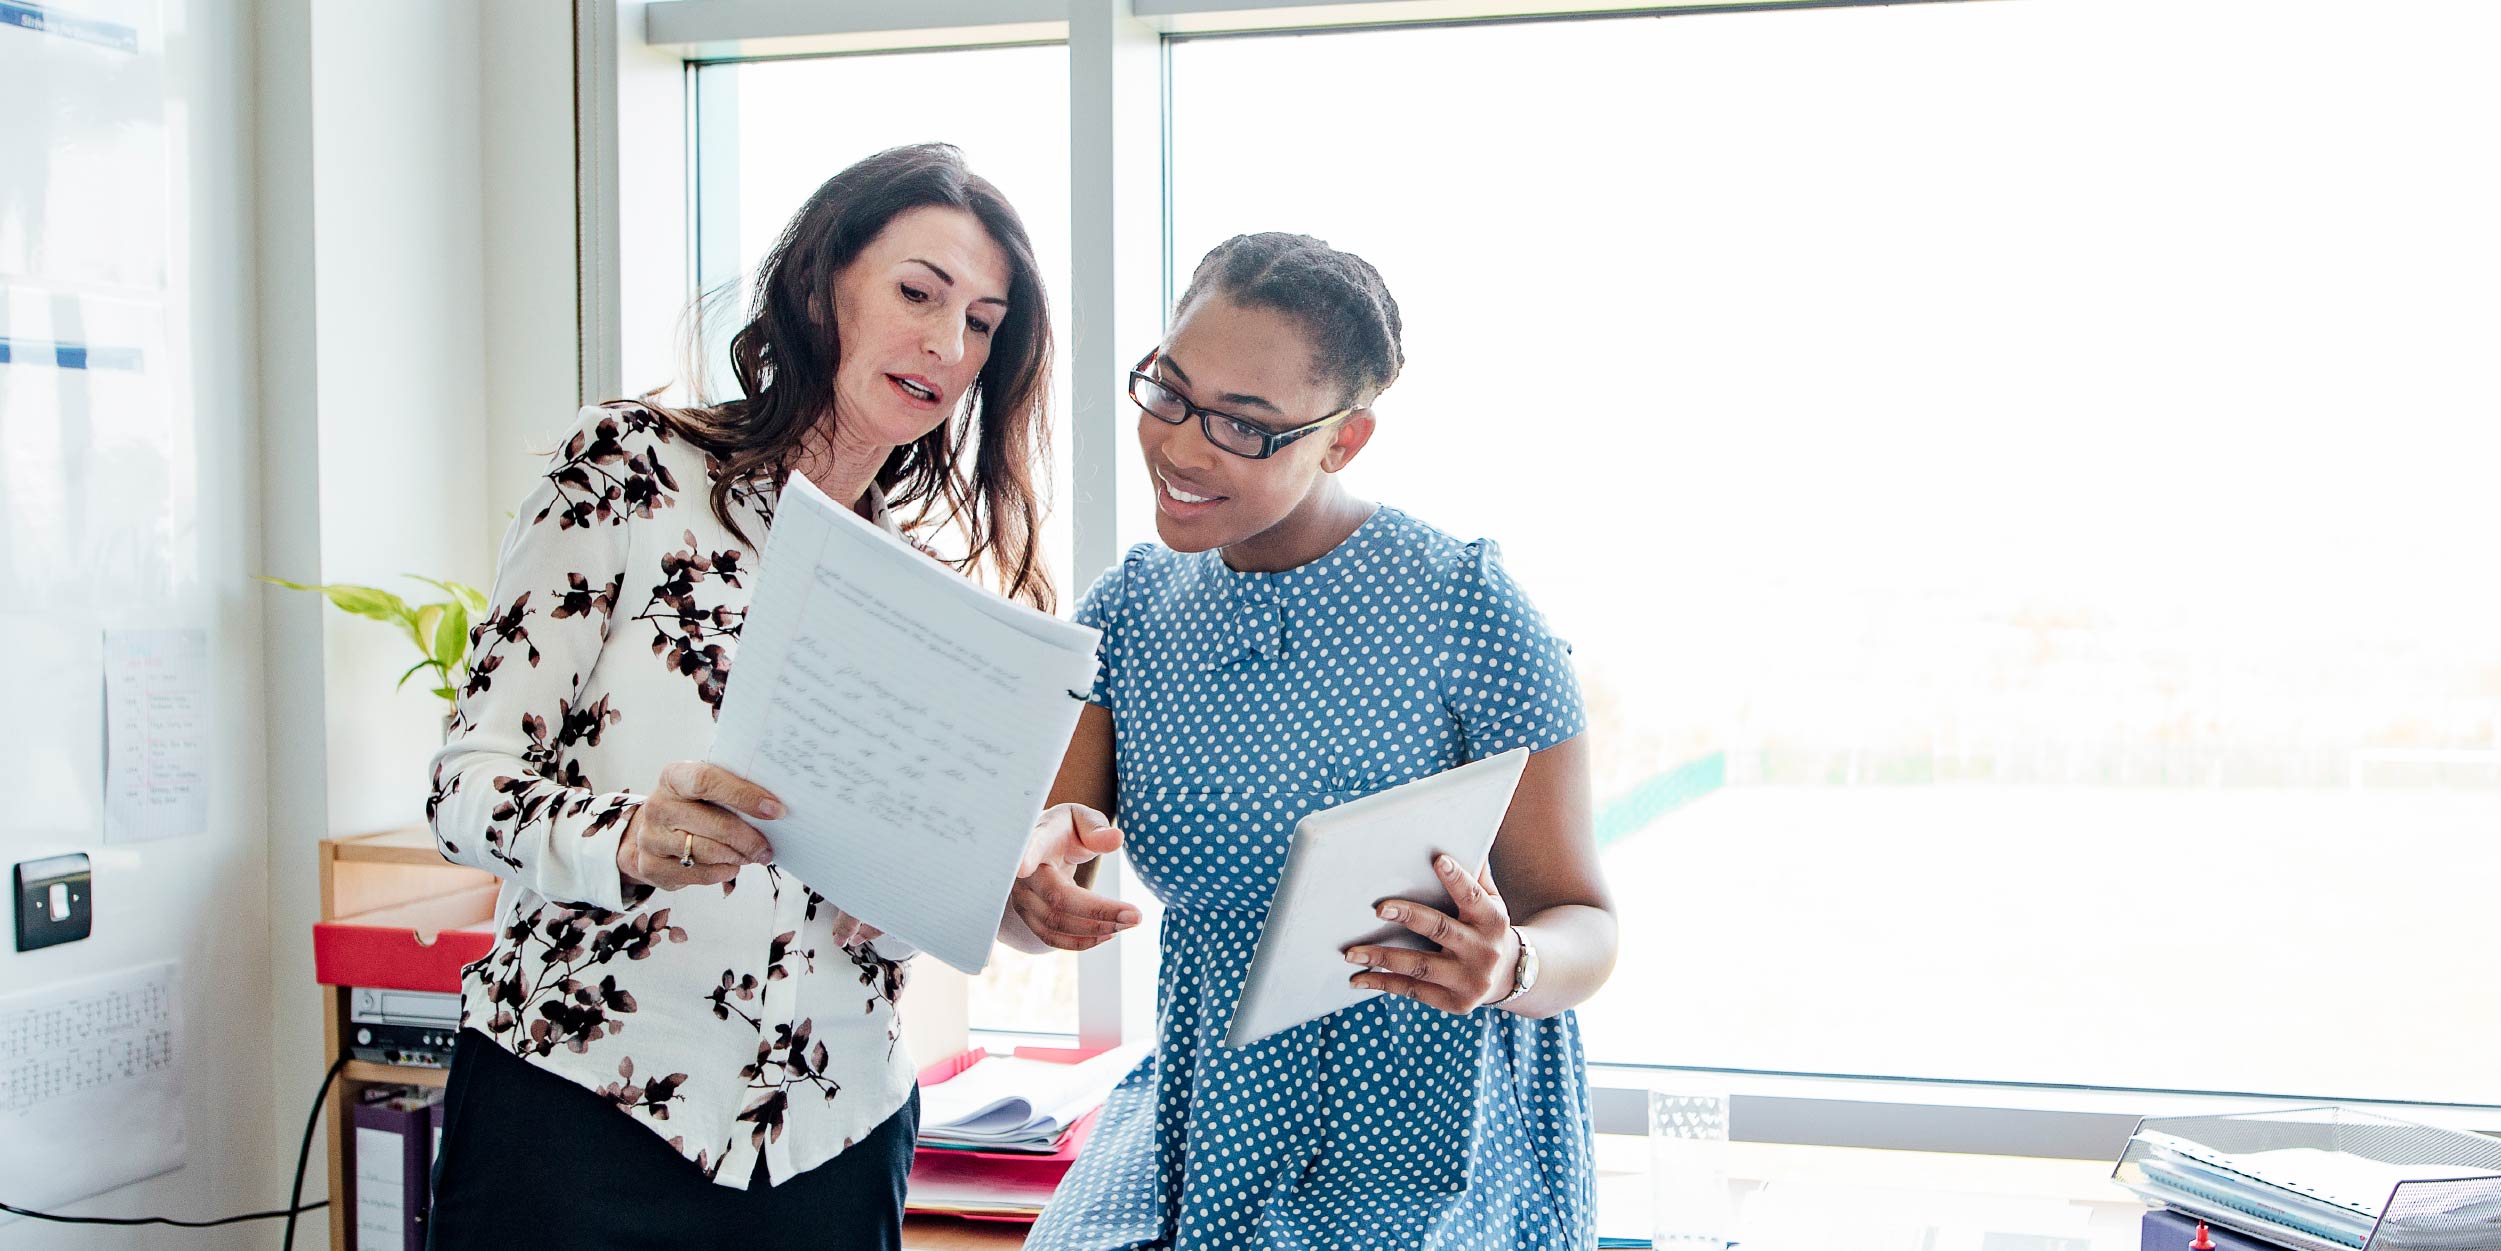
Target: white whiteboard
(85, 174)
(102, 478)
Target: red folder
(412, 946)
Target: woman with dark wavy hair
(671, 1043)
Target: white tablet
(1343, 862)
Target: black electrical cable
(304, 1151)
(294, 1208)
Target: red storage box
(1010, 1170)
(410, 946)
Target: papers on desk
(911, 721)
(2317, 1200)
(1004, 1103)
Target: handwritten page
(911, 721)
(156, 743)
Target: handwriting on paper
(910, 721)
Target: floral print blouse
(723, 1018)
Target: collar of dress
(1254, 623)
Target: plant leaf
(422, 629)
(412, 672)
(363, 601)
(451, 637)
(445, 692)
(468, 597)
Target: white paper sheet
(1342, 863)
(1011, 1103)
(90, 1085)
(911, 721)
(156, 746)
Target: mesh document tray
(2292, 1177)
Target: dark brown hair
(1337, 296)
(785, 359)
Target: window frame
(636, 69)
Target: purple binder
(394, 1156)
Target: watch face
(1525, 976)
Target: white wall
(417, 221)
(527, 200)
(291, 516)
(399, 290)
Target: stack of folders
(2323, 1179)
(998, 1132)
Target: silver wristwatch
(1524, 973)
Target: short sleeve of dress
(1101, 609)
(1506, 678)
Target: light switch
(55, 901)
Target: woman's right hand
(696, 811)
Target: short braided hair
(1337, 296)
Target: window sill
(2050, 1122)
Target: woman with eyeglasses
(1290, 645)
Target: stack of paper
(2306, 1197)
(1007, 1104)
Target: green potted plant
(440, 629)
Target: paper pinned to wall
(90, 1091)
(911, 721)
(155, 696)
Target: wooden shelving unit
(359, 874)
(369, 871)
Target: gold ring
(687, 859)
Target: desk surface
(1788, 1196)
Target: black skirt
(530, 1159)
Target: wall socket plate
(55, 901)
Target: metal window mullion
(597, 258)
(1116, 283)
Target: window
(2019, 481)
(768, 133)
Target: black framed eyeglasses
(1238, 435)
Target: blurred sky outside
(2017, 476)
(2076, 418)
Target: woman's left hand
(1478, 950)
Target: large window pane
(2019, 480)
(769, 132)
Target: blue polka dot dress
(1240, 702)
